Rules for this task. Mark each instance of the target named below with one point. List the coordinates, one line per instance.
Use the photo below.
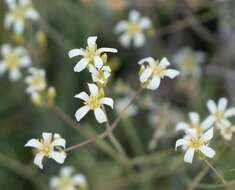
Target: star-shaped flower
(93, 102)
(18, 13)
(133, 29)
(193, 142)
(91, 55)
(13, 59)
(50, 146)
(195, 123)
(220, 112)
(68, 180)
(152, 73)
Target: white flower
(13, 59)
(193, 142)
(91, 55)
(101, 75)
(151, 74)
(50, 146)
(133, 29)
(188, 62)
(220, 112)
(195, 123)
(93, 102)
(36, 81)
(227, 129)
(68, 181)
(120, 105)
(19, 12)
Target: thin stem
(198, 178)
(216, 172)
(112, 138)
(66, 118)
(112, 127)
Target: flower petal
(125, 40)
(194, 117)
(154, 83)
(171, 73)
(91, 41)
(100, 115)
(8, 20)
(107, 101)
(81, 65)
(139, 40)
(59, 142)
(47, 137)
(93, 89)
(55, 182)
(145, 23)
(180, 142)
(32, 14)
(15, 74)
(230, 112)
(121, 26)
(134, 16)
(76, 52)
(164, 62)
(145, 75)
(38, 160)
(108, 50)
(188, 157)
(79, 179)
(208, 122)
(67, 171)
(33, 143)
(211, 105)
(58, 156)
(19, 26)
(81, 112)
(147, 59)
(82, 95)
(208, 135)
(182, 126)
(207, 151)
(98, 62)
(223, 102)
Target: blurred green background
(203, 25)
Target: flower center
(66, 183)
(38, 82)
(12, 61)
(159, 71)
(219, 115)
(19, 13)
(195, 143)
(47, 149)
(188, 63)
(133, 28)
(227, 130)
(93, 102)
(90, 53)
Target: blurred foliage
(67, 24)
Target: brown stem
(106, 133)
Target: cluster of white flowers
(20, 11)
(220, 114)
(133, 29)
(37, 87)
(94, 59)
(50, 146)
(189, 62)
(198, 134)
(68, 180)
(13, 59)
(152, 73)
